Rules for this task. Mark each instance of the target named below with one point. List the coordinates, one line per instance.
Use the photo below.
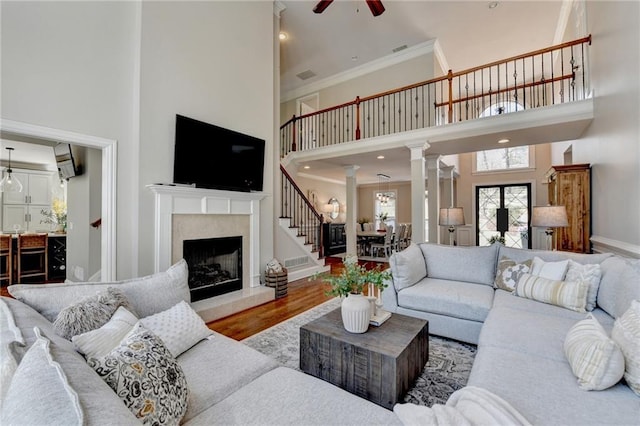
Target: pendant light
(10, 183)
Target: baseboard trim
(608, 245)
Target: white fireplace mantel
(175, 199)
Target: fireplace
(215, 266)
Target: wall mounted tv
(213, 157)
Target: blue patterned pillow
(147, 378)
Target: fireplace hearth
(215, 266)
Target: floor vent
(296, 261)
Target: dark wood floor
(301, 295)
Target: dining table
(366, 238)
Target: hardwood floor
(301, 295)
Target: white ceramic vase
(356, 313)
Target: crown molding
(375, 65)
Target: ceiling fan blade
(322, 5)
(376, 7)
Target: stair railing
(550, 76)
(303, 216)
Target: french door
(503, 211)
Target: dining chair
(385, 246)
(32, 258)
(398, 235)
(6, 255)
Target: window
(502, 159)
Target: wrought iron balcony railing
(550, 76)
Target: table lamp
(550, 217)
(451, 217)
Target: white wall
(70, 66)
(122, 70)
(215, 65)
(611, 144)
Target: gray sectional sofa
(520, 340)
(228, 382)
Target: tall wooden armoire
(570, 186)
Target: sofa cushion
(626, 333)
(591, 273)
(509, 272)
(217, 367)
(39, 374)
(10, 337)
(453, 298)
(468, 264)
(570, 295)
(148, 295)
(99, 342)
(595, 359)
(179, 327)
(619, 285)
(285, 396)
(144, 374)
(90, 312)
(520, 255)
(407, 267)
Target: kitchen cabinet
(23, 209)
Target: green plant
(57, 215)
(353, 278)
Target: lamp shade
(549, 217)
(451, 216)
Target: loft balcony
(538, 97)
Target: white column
(433, 186)
(352, 203)
(446, 199)
(417, 192)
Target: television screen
(65, 161)
(217, 158)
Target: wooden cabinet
(570, 186)
(24, 208)
(334, 238)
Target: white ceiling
(469, 33)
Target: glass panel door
(503, 211)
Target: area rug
(447, 370)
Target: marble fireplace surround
(191, 213)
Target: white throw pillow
(595, 359)
(179, 327)
(626, 333)
(99, 342)
(549, 270)
(567, 294)
(591, 274)
(407, 267)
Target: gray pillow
(90, 313)
(468, 264)
(39, 392)
(407, 267)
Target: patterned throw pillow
(567, 294)
(626, 333)
(595, 359)
(90, 313)
(179, 327)
(590, 273)
(509, 272)
(147, 378)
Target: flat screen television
(209, 156)
(65, 161)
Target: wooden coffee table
(379, 365)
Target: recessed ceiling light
(283, 35)
(493, 5)
(380, 157)
(307, 167)
(505, 140)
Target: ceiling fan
(375, 6)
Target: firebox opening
(215, 266)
